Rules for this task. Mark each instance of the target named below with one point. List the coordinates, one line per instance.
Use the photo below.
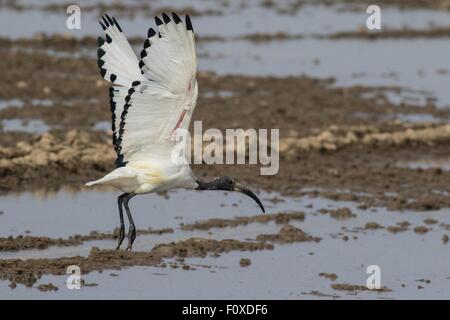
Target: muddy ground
(330, 138)
(27, 272)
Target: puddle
(219, 93)
(401, 96)
(83, 212)
(288, 271)
(383, 63)
(32, 126)
(42, 102)
(418, 118)
(443, 164)
(102, 126)
(15, 103)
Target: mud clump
(47, 287)
(430, 221)
(404, 33)
(245, 262)
(199, 247)
(48, 157)
(279, 218)
(331, 140)
(373, 226)
(399, 227)
(41, 243)
(352, 287)
(288, 234)
(329, 276)
(342, 214)
(28, 271)
(421, 229)
(29, 242)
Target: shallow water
(443, 164)
(286, 272)
(398, 63)
(240, 17)
(32, 125)
(15, 103)
(419, 64)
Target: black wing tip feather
(108, 38)
(189, 23)
(117, 24)
(100, 41)
(105, 21)
(108, 21)
(100, 53)
(176, 18)
(111, 22)
(100, 63)
(166, 18)
(158, 21)
(151, 32)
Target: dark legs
(132, 229)
(122, 225)
(123, 199)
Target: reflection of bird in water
(151, 99)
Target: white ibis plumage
(151, 97)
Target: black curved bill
(240, 188)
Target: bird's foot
(121, 236)
(131, 238)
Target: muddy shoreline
(28, 271)
(324, 142)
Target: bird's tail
(106, 179)
(91, 183)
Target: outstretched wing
(156, 94)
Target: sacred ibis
(151, 98)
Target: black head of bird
(229, 184)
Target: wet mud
(41, 243)
(327, 147)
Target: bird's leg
(122, 225)
(132, 229)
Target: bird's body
(152, 98)
(140, 177)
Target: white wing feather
(158, 93)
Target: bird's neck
(207, 185)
